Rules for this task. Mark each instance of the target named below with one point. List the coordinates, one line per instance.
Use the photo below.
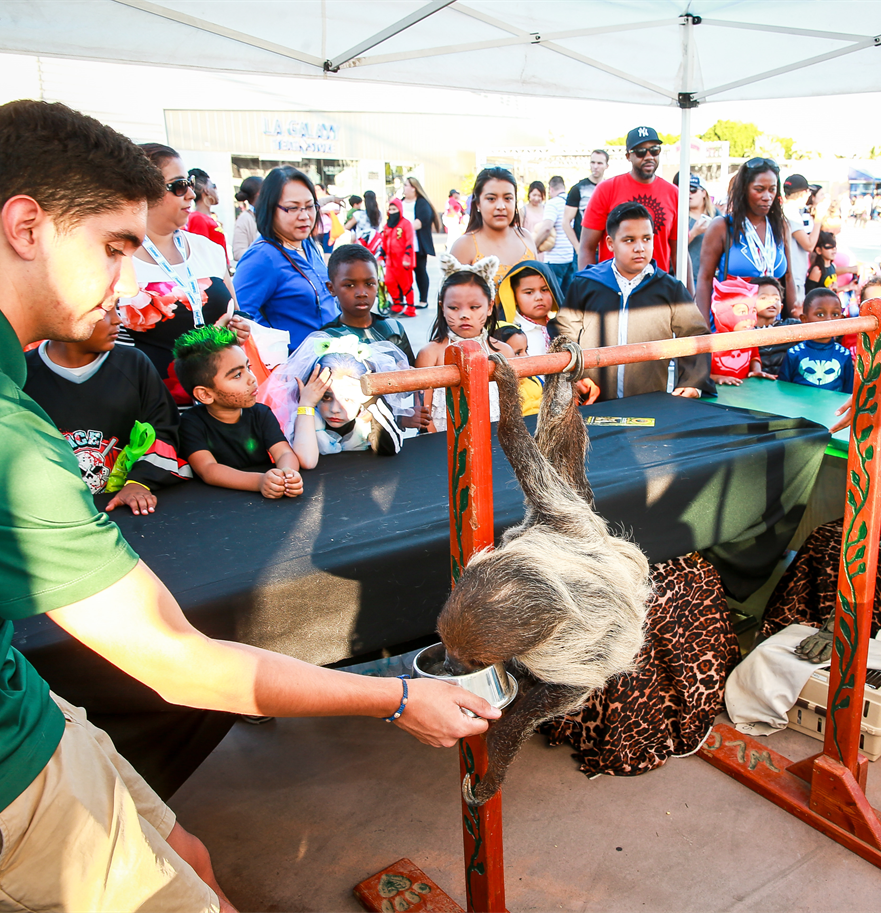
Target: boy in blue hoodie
(821, 363)
(628, 299)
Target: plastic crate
(809, 714)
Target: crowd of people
(156, 373)
(511, 280)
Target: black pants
(422, 276)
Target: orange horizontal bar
(658, 350)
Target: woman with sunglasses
(281, 280)
(752, 240)
(183, 277)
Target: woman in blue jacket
(281, 279)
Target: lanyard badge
(189, 284)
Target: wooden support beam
(469, 460)
(658, 350)
(828, 790)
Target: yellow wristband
(133, 482)
(305, 410)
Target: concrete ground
(297, 812)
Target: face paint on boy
(234, 386)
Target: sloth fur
(561, 601)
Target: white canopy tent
(666, 52)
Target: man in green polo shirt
(79, 828)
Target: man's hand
(293, 483)
(272, 484)
(690, 392)
(435, 713)
(138, 498)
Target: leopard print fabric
(668, 704)
(805, 594)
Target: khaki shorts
(89, 835)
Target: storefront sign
(300, 136)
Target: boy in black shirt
(228, 436)
(94, 391)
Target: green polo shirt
(55, 549)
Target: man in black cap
(642, 185)
(804, 228)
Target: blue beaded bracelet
(396, 715)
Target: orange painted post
(471, 529)
(859, 557)
(828, 790)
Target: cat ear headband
(486, 268)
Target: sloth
(561, 601)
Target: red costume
(397, 252)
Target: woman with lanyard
(752, 240)
(183, 278)
(281, 280)
(418, 209)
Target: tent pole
(684, 182)
(686, 102)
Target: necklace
(292, 246)
(763, 253)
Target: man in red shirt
(641, 185)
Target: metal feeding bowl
(494, 684)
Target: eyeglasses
(755, 163)
(309, 209)
(180, 187)
(694, 189)
(653, 151)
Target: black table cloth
(361, 560)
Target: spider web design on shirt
(659, 216)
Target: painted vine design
(846, 638)
(471, 818)
(459, 497)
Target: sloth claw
(467, 792)
(576, 366)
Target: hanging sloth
(561, 601)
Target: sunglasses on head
(756, 163)
(180, 187)
(653, 151)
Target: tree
(741, 136)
